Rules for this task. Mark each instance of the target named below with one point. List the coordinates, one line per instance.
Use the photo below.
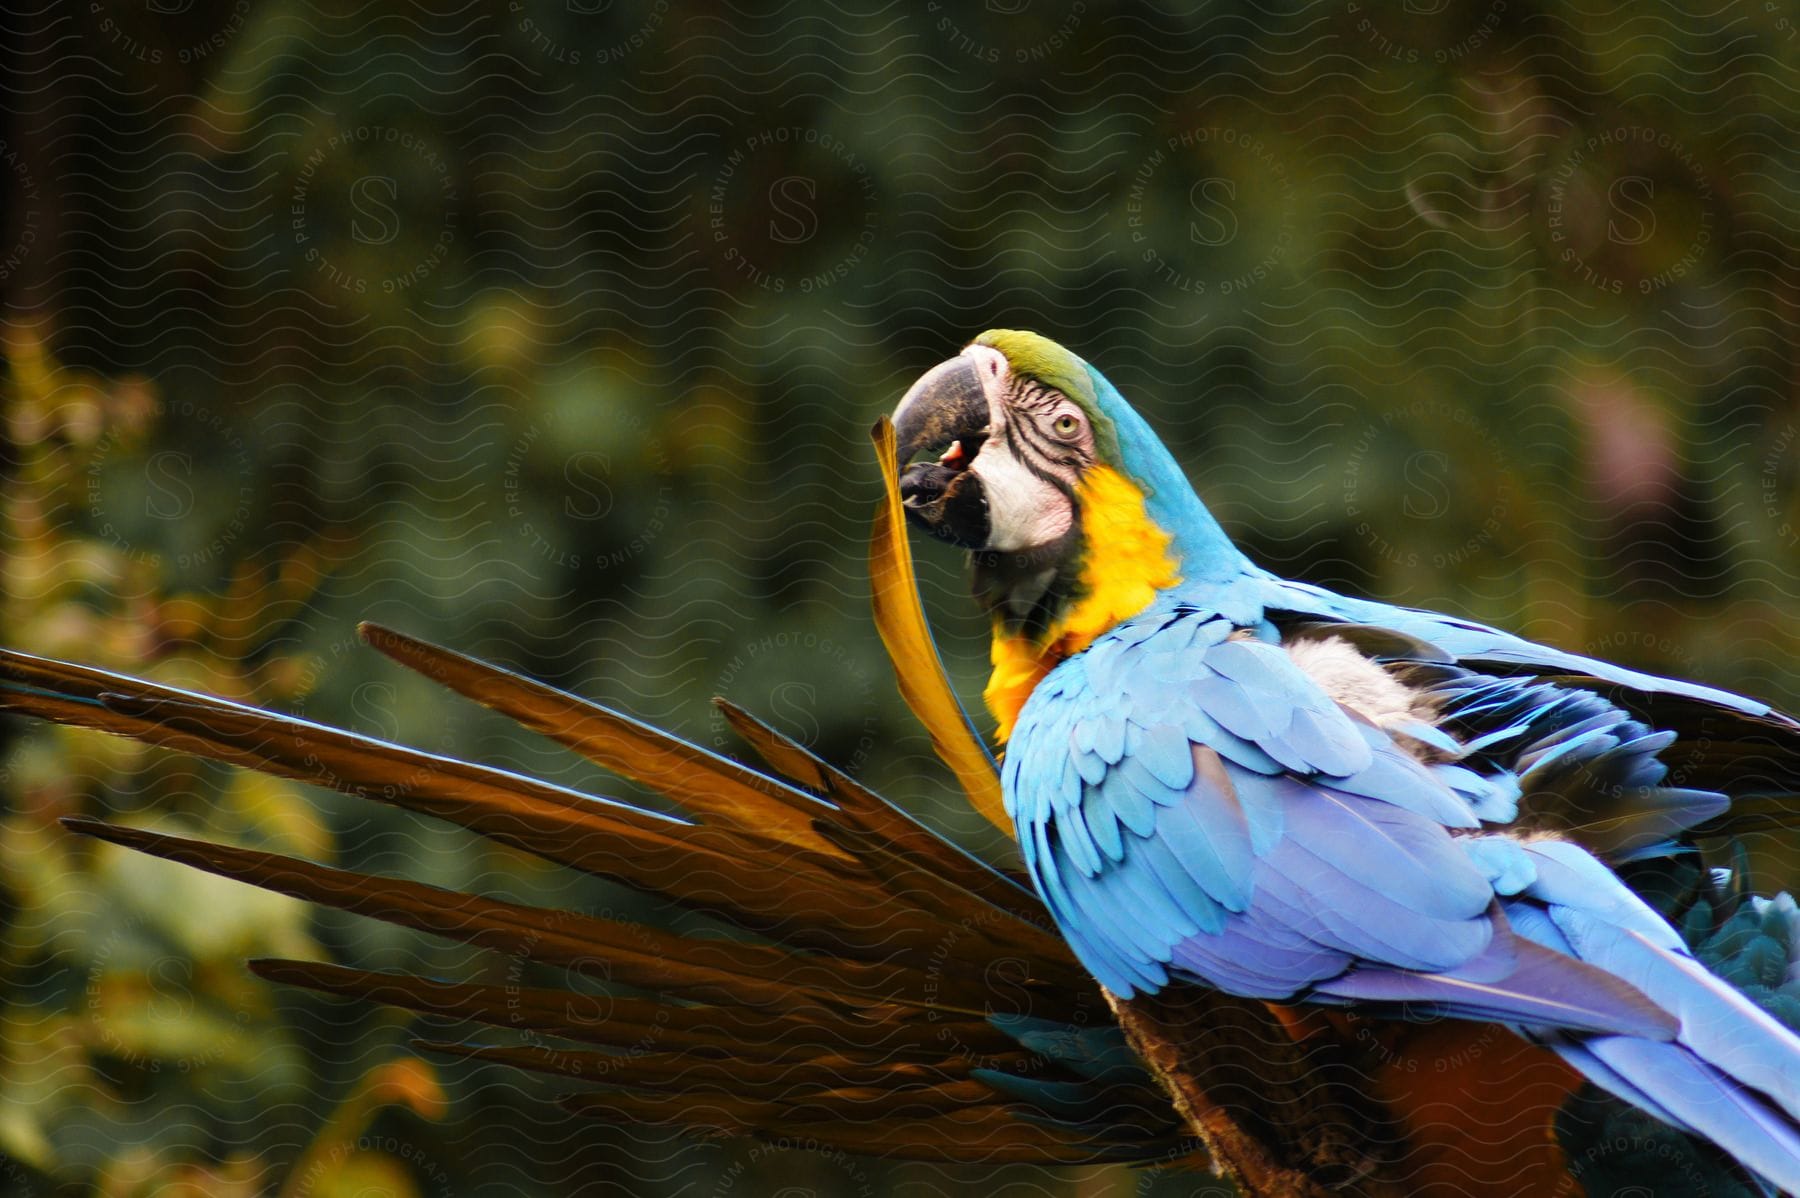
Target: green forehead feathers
(1044, 360)
(1038, 357)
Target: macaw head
(1017, 431)
(1033, 462)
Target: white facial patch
(1024, 511)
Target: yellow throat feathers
(1126, 562)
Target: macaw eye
(1066, 425)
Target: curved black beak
(947, 404)
(947, 408)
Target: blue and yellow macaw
(1222, 778)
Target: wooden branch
(1283, 1117)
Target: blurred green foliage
(552, 331)
(141, 1058)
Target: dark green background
(562, 326)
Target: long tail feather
(872, 1034)
(798, 1079)
(901, 622)
(1696, 1095)
(1732, 1074)
(715, 786)
(701, 781)
(1729, 1071)
(711, 969)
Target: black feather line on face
(1028, 401)
(1019, 444)
(1026, 592)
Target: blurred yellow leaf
(45, 1069)
(99, 755)
(363, 1175)
(208, 916)
(22, 1137)
(34, 859)
(275, 809)
(408, 1082)
(185, 616)
(237, 1178)
(155, 1018)
(330, 1168)
(503, 333)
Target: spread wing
(1192, 805)
(1717, 741)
